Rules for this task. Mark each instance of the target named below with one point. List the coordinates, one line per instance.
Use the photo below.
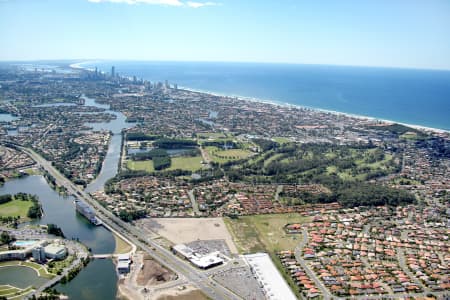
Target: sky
(389, 33)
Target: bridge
(137, 238)
(102, 256)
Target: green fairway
(221, 156)
(15, 208)
(143, 165)
(190, 163)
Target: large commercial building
(55, 251)
(273, 284)
(123, 263)
(200, 261)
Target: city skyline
(405, 34)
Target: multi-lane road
(196, 277)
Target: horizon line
(76, 60)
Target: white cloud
(200, 4)
(156, 2)
(192, 4)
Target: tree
(6, 238)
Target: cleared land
(264, 232)
(15, 208)
(185, 230)
(153, 273)
(189, 293)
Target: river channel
(99, 279)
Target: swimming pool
(24, 243)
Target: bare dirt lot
(153, 273)
(185, 230)
(188, 294)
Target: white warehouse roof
(268, 276)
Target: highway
(196, 277)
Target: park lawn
(143, 165)
(15, 208)
(21, 293)
(60, 265)
(189, 163)
(264, 232)
(9, 290)
(42, 270)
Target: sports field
(15, 208)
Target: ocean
(411, 96)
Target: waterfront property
(123, 263)
(38, 249)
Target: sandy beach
(284, 104)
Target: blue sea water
(419, 97)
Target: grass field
(190, 163)
(144, 165)
(12, 292)
(264, 232)
(39, 268)
(15, 208)
(121, 246)
(212, 135)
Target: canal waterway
(111, 162)
(7, 117)
(99, 279)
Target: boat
(86, 211)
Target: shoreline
(296, 106)
(322, 110)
